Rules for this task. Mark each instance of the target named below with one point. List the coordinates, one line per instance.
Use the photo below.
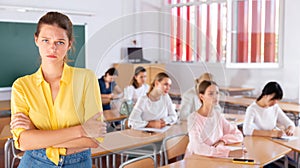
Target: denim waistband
(79, 157)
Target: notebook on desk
(159, 130)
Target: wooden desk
(246, 101)
(240, 101)
(4, 105)
(292, 144)
(236, 90)
(207, 162)
(128, 139)
(237, 119)
(113, 115)
(261, 149)
(5, 133)
(287, 107)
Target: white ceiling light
(34, 9)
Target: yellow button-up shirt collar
(66, 75)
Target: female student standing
(138, 86)
(56, 110)
(154, 110)
(209, 131)
(190, 100)
(264, 115)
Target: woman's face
(164, 85)
(110, 78)
(268, 100)
(210, 96)
(53, 43)
(141, 78)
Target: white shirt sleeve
(172, 115)
(248, 126)
(187, 103)
(135, 119)
(283, 118)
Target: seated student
(263, 115)
(190, 101)
(138, 86)
(154, 110)
(209, 131)
(108, 87)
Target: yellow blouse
(78, 99)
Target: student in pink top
(209, 131)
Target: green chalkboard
(19, 56)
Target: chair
(139, 162)
(124, 124)
(174, 146)
(9, 149)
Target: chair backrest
(126, 107)
(139, 162)
(174, 146)
(124, 124)
(11, 151)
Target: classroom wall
(183, 74)
(99, 55)
(117, 23)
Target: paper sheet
(164, 129)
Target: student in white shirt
(154, 110)
(264, 115)
(138, 86)
(190, 100)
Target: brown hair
(112, 72)
(138, 70)
(204, 85)
(60, 20)
(159, 77)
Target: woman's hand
(289, 131)
(220, 142)
(156, 124)
(276, 133)
(93, 127)
(20, 120)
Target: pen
(243, 161)
(280, 138)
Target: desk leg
(107, 161)
(114, 161)
(96, 161)
(286, 161)
(100, 161)
(298, 161)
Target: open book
(161, 130)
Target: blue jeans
(38, 159)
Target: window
(238, 33)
